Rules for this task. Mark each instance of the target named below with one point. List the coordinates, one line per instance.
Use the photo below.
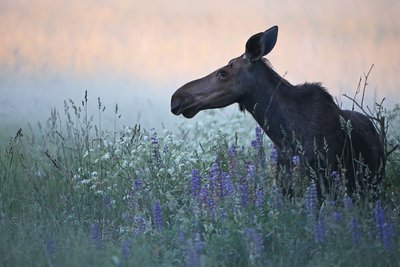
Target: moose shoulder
(299, 119)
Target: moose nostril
(176, 106)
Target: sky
(137, 53)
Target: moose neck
(264, 102)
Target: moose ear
(261, 44)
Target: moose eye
(221, 74)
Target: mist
(137, 53)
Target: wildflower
(296, 160)
(255, 246)
(157, 216)
(385, 230)
(214, 173)
(259, 199)
(94, 233)
(319, 230)
(194, 250)
(232, 156)
(203, 194)
(257, 142)
(273, 154)
(244, 193)
(196, 183)
(125, 249)
(336, 216)
(50, 248)
(259, 134)
(348, 203)
(212, 205)
(137, 185)
(311, 200)
(258, 145)
(106, 156)
(379, 220)
(106, 201)
(251, 170)
(215, 180)
(198, 243)
(226, 185)
(232, 151)
(276, 197)
(156, 149)
(139, 224)
(336, 180)
(154, 139)
(388, 236)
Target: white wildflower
(106, 156)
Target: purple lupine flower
(198, 243)
(311, 200)
(296, 160)
(385, 230)
(259, 133)
(153, 138)
(195, 183)
(214, 171)
(336, 216)
(212, 205)
(157, 216)
(94, 233)
(259, 199)
(258, 145)
(155, 148)
(336, 180)
(379, 220)
(106, 201)
(347, 202)
(226, 184)
(251, 170)
(258, 141)
(355, 232)
(254, 144)
(214, 181)
(192, 258)
(273, 154)
(255, 245)
(125, 249)
(388, 236)
(243, 188)
(50, 248)
(137, 185)
(232, 158)
(276, 198)
(193, 251)
(319, 230)
(203, 194)
(139, 224)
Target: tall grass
(75, 194)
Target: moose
(299, 119)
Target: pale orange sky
(167, 43)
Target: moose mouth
(178, 108)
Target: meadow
(74, 193)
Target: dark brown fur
(300, 120)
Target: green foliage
(74, 194)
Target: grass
(75, 194)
